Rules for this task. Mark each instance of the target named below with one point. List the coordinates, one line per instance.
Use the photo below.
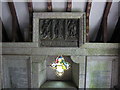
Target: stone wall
(38, 73)
(100, 72)
(0, 72)
(97, 61)
(15, 72)
(41, 72)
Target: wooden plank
(116, 35)
(102, 32)
(30, 9)
(17, 34)
(69, 6)
(88, 8)
(49, 6)
(4, 33)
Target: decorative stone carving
(72, 27)
(45, 28)
(59, 32)
(58, 28)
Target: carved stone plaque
(60, 29)
(59, 32)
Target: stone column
(38, 73)
(80, 81)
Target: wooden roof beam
(88, 9)
(69, 6)
(49, 6)
(102, 32)
(16, 32)
(116, 35)
(30, 9)
(4, 33)
(30, 6)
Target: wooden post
(116, 35)
(88, 8)
(69, 6)
(102, 32)
(49, 6)
(0, 31)
(4, 33)
(30, 9)
(16, 32)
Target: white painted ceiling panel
(59, 0)
(95, 18)
(59, 6)
(7, 19)
(39, 6)
(78, 6)
(23, 15)
(119, 8)
(0, 9)
(112, 19)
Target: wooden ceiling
(101, 35)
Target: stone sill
(59, 84)
(33, 45)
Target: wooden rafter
(102, 32)
(69, 6)
(4, 33)
(116, 34)
(30, 9)
(30, 6)
(16, 32)
(88, 9)
(1, 39)
(49, 6)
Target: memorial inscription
(59, 32)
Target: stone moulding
(61, 51)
